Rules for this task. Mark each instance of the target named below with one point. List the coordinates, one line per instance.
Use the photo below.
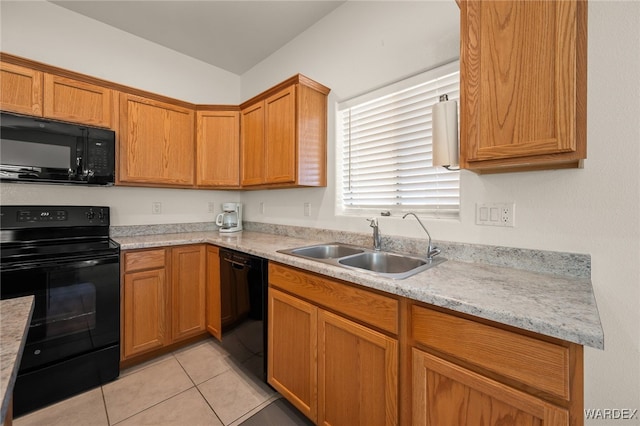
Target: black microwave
(40, 150)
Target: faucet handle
(373, 222)
(433, 252)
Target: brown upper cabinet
(21, 89)
(284, 136)
(523, 84)
(29, 91)
(156, 143)
(218, 149)
(277, 139)
(70, 100)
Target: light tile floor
(196, 385)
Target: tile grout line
(159, 402)
(104, 404)
(198, 389)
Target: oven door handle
(61, 264)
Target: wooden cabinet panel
(164, 297)
(213, 308)
(145, 312)
(71, 100)
(218, 149)
(144, 259)
(284, 136)
(363, 305)
(20, 89)
(534, 362)
(312, 136)
(523, 84)
(280, 136)
(252, 145)
(188, 280)
(357, 374)
(156, 142)
(445, 394)
(292, 347)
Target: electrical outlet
(507, 214)
(211, 207)
(496, 214)
(307, 209)
(156, 207)
(262, 207)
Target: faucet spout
(431, 251)
(377, 241)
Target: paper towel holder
(445, 134)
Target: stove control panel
(41, 215)
(53, 216)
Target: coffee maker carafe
(230, 220)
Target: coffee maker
(230, 220)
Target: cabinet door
(252, 145)
(218, 148)
(21, 89)
(156, 143)
(145, 312)
(280, 136)
(213, 314)
(445, 394)
(523, 82)
(357, 374)
(292, 343)
(188, 280)
(72, 100)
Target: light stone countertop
(551, 305)
(15, 315)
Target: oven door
(76, 310)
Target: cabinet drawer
(145, 259)
(540, 364)
(372, 308)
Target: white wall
(44, 32)
(595, 210)
(363, 45)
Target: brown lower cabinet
(335, 370)
(357, 373)
(345, 355)
(164, 296)
(213, 309)
(446, 394)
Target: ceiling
(232, 35)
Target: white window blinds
(386, 147)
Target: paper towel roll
(445, 134)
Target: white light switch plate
(496, 214)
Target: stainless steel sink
(383, 262)
(326, 251)
(380, 263)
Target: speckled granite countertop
(15, 317)
(552, 305)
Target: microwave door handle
(85, 140)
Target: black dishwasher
(243, 291)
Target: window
(386, 148)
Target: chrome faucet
(431, 251)
(377, 244)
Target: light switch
(496, 214)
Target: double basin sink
(380, 263)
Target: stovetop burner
(46, 233)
